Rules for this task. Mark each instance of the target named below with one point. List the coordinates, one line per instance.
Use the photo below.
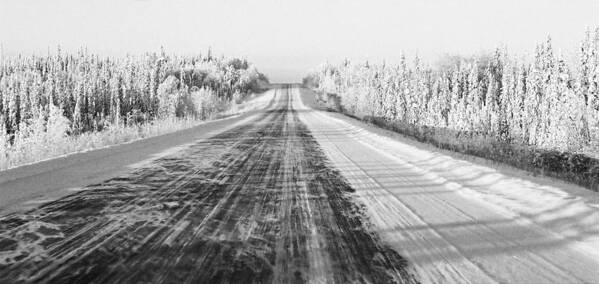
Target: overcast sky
(286, 38)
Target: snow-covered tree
(539, 102)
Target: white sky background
(284, 38)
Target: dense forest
(47, 99)
(538, 112)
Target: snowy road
(294, 194)
(459, 222)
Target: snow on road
(253, 204)
(458, 222)
(293, 194)
(28, 186)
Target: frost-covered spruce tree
(519, 126)
(456, 119)
(56, 127)
(585, 67)
(78, 111)
(167, 93)
(505, 101)
(4, 144)
(593, 107)
(421, 91)
(589, 84)
(541, 104)
(13, 108)
(475, 102)
(115, 100)
(534, 95)
(389, 96)
(567, 113)
(549, 94)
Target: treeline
(537, 113)
(73, 94)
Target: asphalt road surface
(256, 203)
(293, 194)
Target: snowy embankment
(460, 221)
(29, 185)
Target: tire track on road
(259, 203)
